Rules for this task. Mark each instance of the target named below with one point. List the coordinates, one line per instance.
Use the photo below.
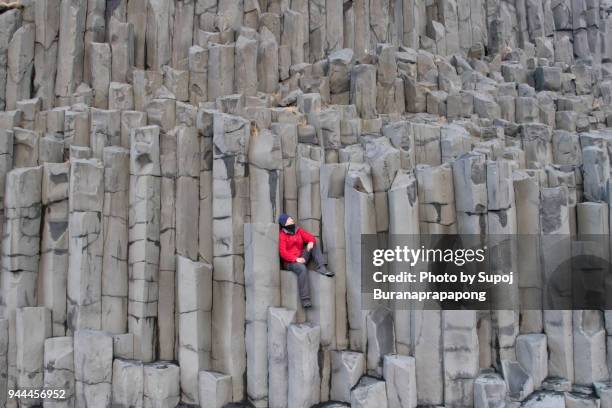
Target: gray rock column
(246, 66)
(11, 21)
(187, 192)
(489, 389)
(71, 48)
(215, 389)
(158, 34)
(381, 339)
(230, 212)
(20, 253)
(469, 176)
(460, 342)
(262, 285)
(115, 231)
(59, 370)
(559, 335)
(359, 218)
(99, 70)
(436, 199)
(518, 381)
(123, 47)
(220, 70)
(429, 354)
(334, 242)
(47, 20)
(93, 368)
(86, 198)
(289, 142)
(105, 130)
(369, 393)
(205, 246)
(136, 14)
(527, 200)
(144, 235)
(198, 74)
(182, 37)
(278, 322)
(194, 305)
(32, 327)
(347, 368)
(95, 32)
(363, 90)
(304, 380)
(596, 173)
(267, 62)
(384, 161)
(265, 161)
(53, 269)
(167, 245)
(161, 385)
(532, 355)
(590, 363)
(309, 189)
(128, 383)
(295, 29)
(400, 378)
(20, 65)
(121, 97)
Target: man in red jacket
(297, 246)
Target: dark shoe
(306, 304)
(324, 271)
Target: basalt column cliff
(147, 148)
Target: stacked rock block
(147, 148)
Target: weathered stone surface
(128, 383)
(93, 368)
(278, 322)
(215, 389)
(369, 392)
(194, 295)
(400, 378)
(532, 355)
(161, 385)
(304, 381)
(143, 235)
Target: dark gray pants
(302, 270)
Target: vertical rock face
(73, 16)
(148, 148)
(128, 383)
(215, 389)
(59, 367)
(53, 269)
(32, 327)
(400, 377)
(144, 235)
(304, 380)
(161, 385)
(93, 368)
(460, 357)
(115, 232)
(194, 304)
(262, 285)
(84, 292)
(278, 322)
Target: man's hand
(309, 246)
(300, 260)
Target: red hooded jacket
(292, 246)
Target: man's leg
(303, 283)
(319, 260)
